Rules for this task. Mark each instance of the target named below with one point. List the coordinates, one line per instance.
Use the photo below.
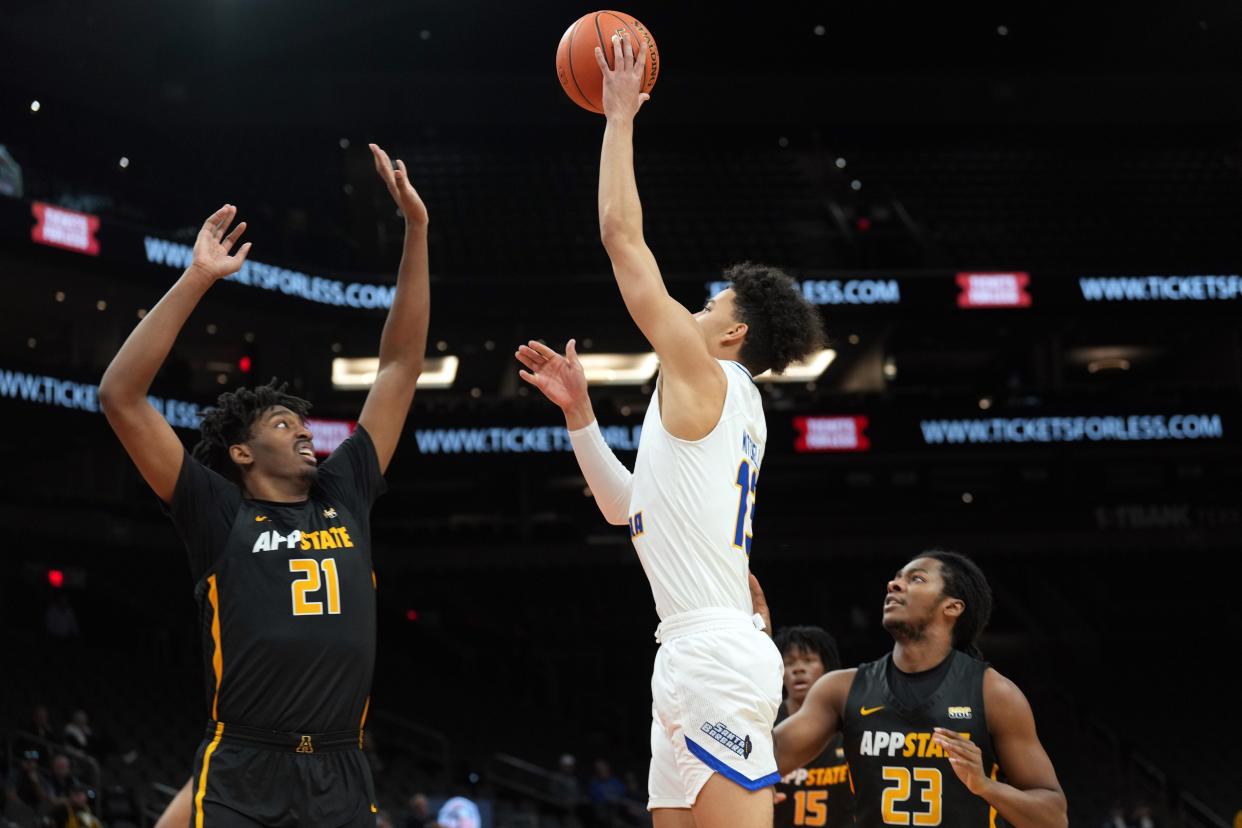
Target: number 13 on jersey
(747, 481)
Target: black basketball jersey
(286, 594)
(901, 776)
(818, 794)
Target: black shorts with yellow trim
(245, 777)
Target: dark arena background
(1021, 224)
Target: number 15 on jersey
(747, 481)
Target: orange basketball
(575, 56)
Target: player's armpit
(150, 442)
(805, 734)
(386, 408)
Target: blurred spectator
(62, 778)
(78, 733)
(383, 820)
(635, 803)
(41, 723)
(1142, 817)
(565, 781)
(76, 811)
(459, 812)
(32, 785)
(1116, 817)
(60, 620)
(419, 815)
(605, 791)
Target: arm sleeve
(352, 474)
(203, 508)
(610, 481)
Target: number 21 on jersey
(309, 581)
(747, 481)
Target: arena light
(804, 371)
(619, 369)
(351, 374)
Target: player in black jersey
(279, 547)
(818, 794)
(933, 735)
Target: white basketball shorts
(715, 691)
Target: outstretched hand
(560, 378)
(623, 95)
(212, 249)
(399, 187)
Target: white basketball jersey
(692, 500)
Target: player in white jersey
(688, 503)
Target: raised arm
(805, 734)
(403, 343)
(667, 325)
(1032, 796)
(146, 435)
(562, 380)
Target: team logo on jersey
(959, 713)
(867, 711)
(260, 518)
(306, 745)
(739, 745)
(329, 512)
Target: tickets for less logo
(66, 229)
(831, 434)
(994, 290)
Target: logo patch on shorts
(739, 745)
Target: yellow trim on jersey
(217, 658)
(365, 708)
(202, 779)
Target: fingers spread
(231, 238)
(533, 379)
(214, 218)
(618, 56)
(599, 58)
(543, 350)
(240, 258)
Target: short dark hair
(810, 640)
(964, 580)
(229, 421)
(782, 326)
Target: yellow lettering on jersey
(327, 540)
(934, 751)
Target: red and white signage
(328, 434)
(831, 434)
(66, 229)
(994, 290)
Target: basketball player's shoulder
(1003, 698)
(832, 689)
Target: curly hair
(229, 422)
(810, 640)
(782, 326)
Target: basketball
(575, 56)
